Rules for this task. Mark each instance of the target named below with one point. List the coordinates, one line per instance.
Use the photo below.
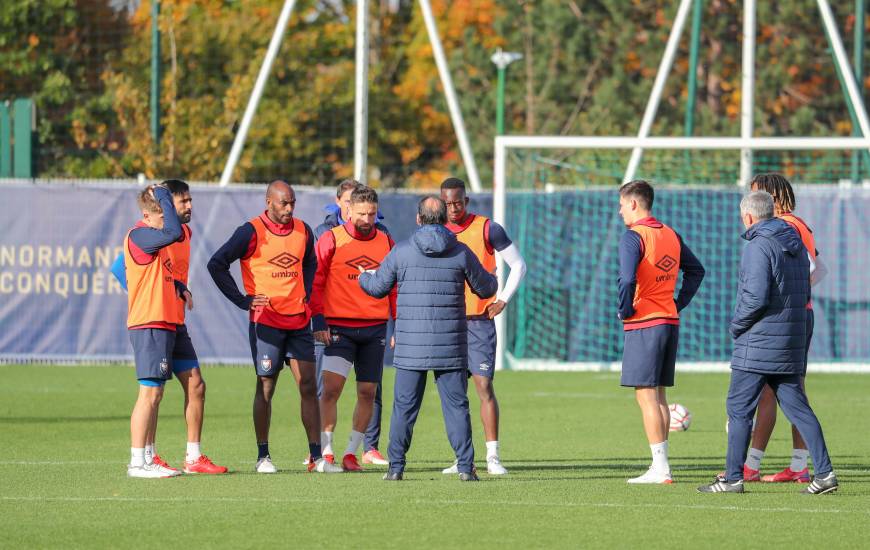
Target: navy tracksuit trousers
(741, 404)
(453, 390)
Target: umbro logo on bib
(364, 262)
(666, 263)
(284, 260)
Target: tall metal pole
(747, 95)
(257, 93)
(452, 102)
(155, 71)
(843, 65)
(499, 103)
(858, 66)
(361, 96)
(659, 85)
(694, 46)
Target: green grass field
(569, 439)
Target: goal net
(557, 197)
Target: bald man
(276, 255)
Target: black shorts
(649, 356)
(270, 346)
(152, 352)
(481, 347)
(183, 355)
(360, 347)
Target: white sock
(326, 443)
(149, 453)
(799, 459)
(193, 451)
(660, 457)
(491, 449)
(354, 443)
(137, 457)
(753, 458)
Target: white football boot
(494, 467)
(323, 466)
(151, 471)
(652, 477)
(265, 466)
(454, 469)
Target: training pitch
(570, 440)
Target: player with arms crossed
(650, 255)
(484, 237)
(152, 317)
(276, 253)
(784, 203)
(185, 364)
(351, 324)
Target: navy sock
(262, 450)
(314, 449)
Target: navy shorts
(152, 352)
(183, 355)
(811, 323)
(270, 345)
(360, 347)
(650, 356)
(481, 347)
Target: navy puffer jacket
(431, 269)
(769, 325)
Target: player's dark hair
(176, 187)
(453, 183)
(639, 190)
(364, 194)
(346, 185)
(778, 187)
(432, 211)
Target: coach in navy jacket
(431, 269)
(769, 331)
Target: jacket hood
(779, 231)
(433, 240)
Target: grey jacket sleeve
(753, 289)
(379, 283)
(482, 282)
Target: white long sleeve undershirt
(512, 257)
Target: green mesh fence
(563, 213)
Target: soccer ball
(681, 418)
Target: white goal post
(628, 143)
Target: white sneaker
(323, 466)
(265, 466)
(652, 477)
(307, 460)
(454, 469)
(494, 467)
(150, 471)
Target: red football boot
(203, 465)
(749, 475)
(350, 464)
(789, 476)
(329, 458)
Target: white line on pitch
(433, 501)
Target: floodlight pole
(502, 59)
(450, 94)
(257, 93)
(155, 71)
(858, 65)
(694, 46)
(361, 96)
(747, 97)
(658, 86)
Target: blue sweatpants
(741, 405)
(373, 431)
(408, 397)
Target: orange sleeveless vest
(179, 256)
(343, 298)
(656, 278)
(275, 268)
(151, 296)
(473, 237)
(806, 235)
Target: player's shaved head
(280, 202)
